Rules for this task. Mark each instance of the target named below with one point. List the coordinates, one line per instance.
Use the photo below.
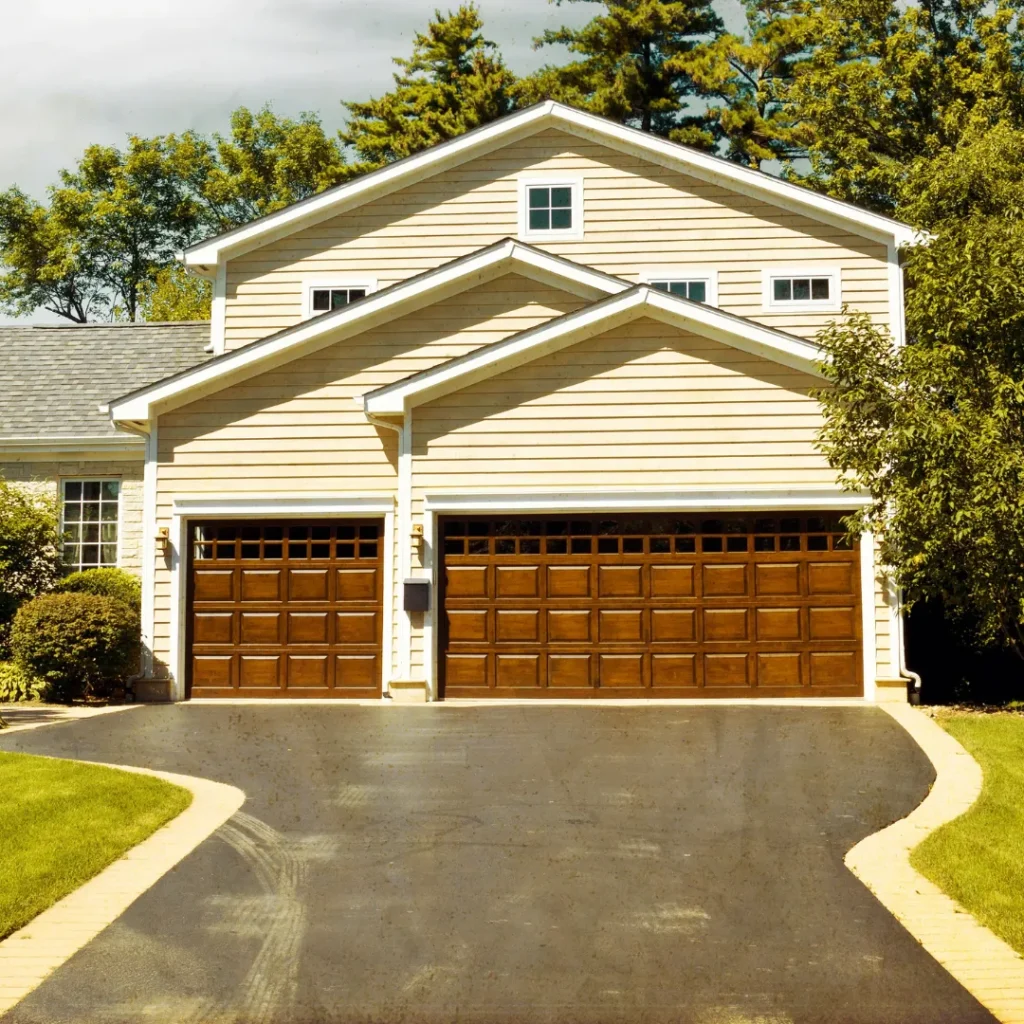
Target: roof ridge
(119, 324)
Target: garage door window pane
(85, 505)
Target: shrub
(78, 644)
(115, 583)
(30, 559)
(16, 684)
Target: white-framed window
(326, 296)
(698, 284)
(90, 522)
(551, 208)
(803, 288)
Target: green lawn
(978, 859)
(61, 822)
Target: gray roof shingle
(54, 378)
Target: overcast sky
(79, 73)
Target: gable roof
(52, 378)
(506, 256)
(595, 319)
(204, 256)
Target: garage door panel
(258, 585)
(568, 581)
(214, 585)
(650, 605)
(256, 670)
(569, 671)
(214, 627)
(285, 609)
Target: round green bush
(78, 644)
(115, 583)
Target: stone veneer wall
(45, 477)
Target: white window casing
(81, 523)
(309, 285)
(832, 274)
(574, 182)
(679, 274)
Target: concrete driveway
(539, 863)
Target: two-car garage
(712, 604)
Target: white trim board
(522, 124)
(598, 318)
(380, 307)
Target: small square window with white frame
(90, 523)
(807, 288)
(698, 284)
(551, 209)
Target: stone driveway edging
(31, 954)
(982, 962)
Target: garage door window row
(644, 536)
(286, 542)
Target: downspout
(912, 678)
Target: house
(528, 414)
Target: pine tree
(751, 79)
(632, 66)
(455, 81)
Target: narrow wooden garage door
(285, 609)
(643, 606)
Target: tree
(633, 64)
(935, 430)
(886, 85)
(455, 81)
(750, 77)
(175, 295)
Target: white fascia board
(756, 184)
(70, 445)
(242, 507)
(507, 502)
(351, 319)
(603, 316)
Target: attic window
(325, 299)
(551, 209)
(806, 288)
(698, 284)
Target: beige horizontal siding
(636, 214)
(298, 431)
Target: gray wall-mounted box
(416, 597)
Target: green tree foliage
(102, 246)
(455, 80)
(748, 78)
(172, 294)
(30, 552)
(935, 430)
(887, 85)
(632, 64)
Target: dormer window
(327, 296)
(550, 208)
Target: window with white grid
(89, 520)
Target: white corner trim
(549, 114)
(599, 317)
(350, 320)
(431, 564)
(681, 272)
(298, 507)
(31, 954)
(642, 501)
(404, 541)
(341, 281)
(542, 179)
(982, 962)
(149, 554)
(897, 306)
(218, 310)
(772, 305)
(867, 612)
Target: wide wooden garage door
(285, 609)
(641, 606)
